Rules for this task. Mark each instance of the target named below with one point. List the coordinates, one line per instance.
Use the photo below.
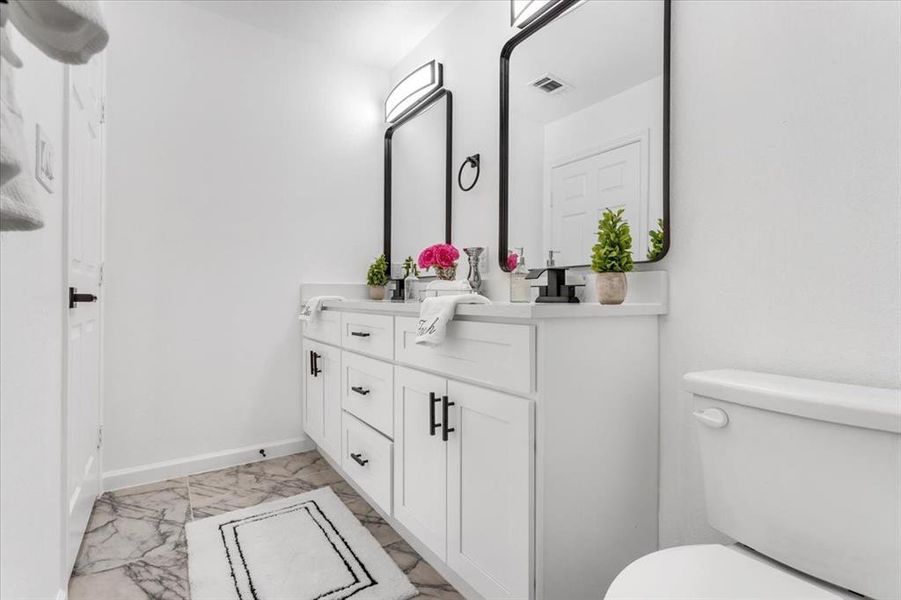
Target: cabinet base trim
(200, 463)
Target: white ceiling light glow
(413, 90)
(523, 12)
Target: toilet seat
(711, 571)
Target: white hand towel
(309, 312)
(436, 313)
(18, 211)
(70, 31)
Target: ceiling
(373, 32)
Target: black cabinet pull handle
(316, 369)
(444, 428)
(359, 334)
(359, 389)
(433, 426)
(358, 458)
(75, 297)
(312, 369)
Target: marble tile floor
(135, 545)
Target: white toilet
(805, 476)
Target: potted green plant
(611, 257)
(377, 278)
(655, 247)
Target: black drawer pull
(444, 428)
(433, 426)
(315, 362)
(359, 389)
(359, 334)
(358, 458)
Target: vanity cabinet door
(490, 462)
(322, 396)
(420, 457)
(313, 415)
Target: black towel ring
(474, 162)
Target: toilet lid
(713, 571)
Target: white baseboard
(122, 478)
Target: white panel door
(84, 201)
(490, 462)
(420, 463)
(583, 189)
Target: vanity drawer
(326, 327)
(494, 353)
(368, 391)
(369, 334)
(363, 444)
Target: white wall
(32, 304)
(240, 164)
(785, 197)
(785, 209)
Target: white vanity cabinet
(519, 457)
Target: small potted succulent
(611, 257)
(377, 278)
(441, 257)
(655, 246)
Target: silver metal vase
(475, 276)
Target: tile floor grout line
(190, 501)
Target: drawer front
(363, 444)
(325, 328)
(368, 391)
(369, 334)
(494, 353)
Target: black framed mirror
(584, 126)
(418, 178)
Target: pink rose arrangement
(512, 261)
(443, 257)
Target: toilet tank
(805, 472)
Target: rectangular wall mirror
(418, 179)
(585, 127)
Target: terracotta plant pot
(377, 292)
(446, 273)
(611, 287)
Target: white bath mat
(306, 547)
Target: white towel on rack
(70, 31)
(436, 313)
(309, 312)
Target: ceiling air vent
(550, 84)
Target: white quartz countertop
(647, 295)
(505, 310)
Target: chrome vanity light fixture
(413, 90)
(523, 12)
